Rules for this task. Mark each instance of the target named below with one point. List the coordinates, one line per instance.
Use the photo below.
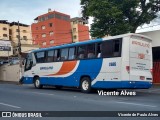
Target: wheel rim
(85, 85)
(37, 83)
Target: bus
(116, 62)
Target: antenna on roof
(49, 10)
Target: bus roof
(68, 45)
(125, 35)
(91, 41)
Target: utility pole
(19, 52)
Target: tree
(113, 17)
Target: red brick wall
(156, 72)
(83, 32)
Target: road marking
(136, 104)
(9, 105)
(42, 93)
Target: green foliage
(113, 17)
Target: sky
(25, 11)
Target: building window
(24, 31)
(4, 28)
(50, 24)
(46, 18)
(17, 30)
(58, 16)
(5, 35)
(74, 22)
(51, 33)
(43, 27)
(74, 37)
(24, 37)
(43, 35)
(17, 36)
(10, 31)
(74, 29)
(51, 41)
(50, 16)
(44, 43)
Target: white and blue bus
(117, 62)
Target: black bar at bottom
(79, 113)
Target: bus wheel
(85, 85)
(37, 83)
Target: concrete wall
(155, 35)
(10, 72)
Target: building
(80, 32)
(52, 28)
(25, 33)
(5, 44)
(9, 38)
(155, 35)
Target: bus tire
(37, 83)
(85, 85)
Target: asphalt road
(27, 98)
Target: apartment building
(55, 28)
(5, 44)
(25, 33)
(80, 32)
(9, 38)
(52, 28)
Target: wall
(9, 72)
(83, 32)
(155, 35)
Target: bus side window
(107, 49)
(99, 51)
(50, 56)
(72, 53)
(57, 55)
(82, 52)
(117, 48)
(64, 54)
(40, 57)
(91, 51)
